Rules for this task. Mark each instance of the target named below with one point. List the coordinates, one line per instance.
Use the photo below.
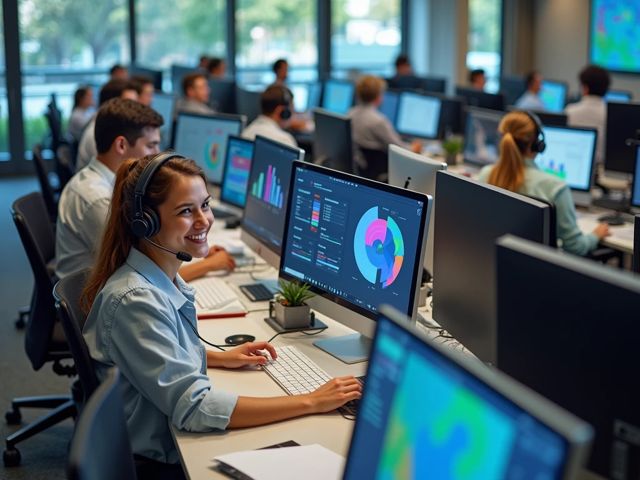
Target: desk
(621, 237)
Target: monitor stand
(353, 348)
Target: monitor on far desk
(622, 96)
(332, 141)
(554, 95)
(622, 125)
(204, 138)
(338, 96)
(306, 96)
(481, 99)
(358, 244)
(164, 104)
(418, 115)
(236, 171)
(389, 105)
(481, 137)
(427, 410)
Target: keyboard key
(295, 372)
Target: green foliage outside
(484, 30)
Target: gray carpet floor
(44, 455)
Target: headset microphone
(183, 256)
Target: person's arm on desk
(218, 259)
(251, 411)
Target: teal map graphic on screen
(615, 34)
(439, 429)
(378, 247)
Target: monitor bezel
(322, 294)
(241, 119)
(233, 138)
(408, 94)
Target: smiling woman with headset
(142, 319)
(522, 139)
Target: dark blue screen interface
(424, 416)
(356, 242)
(236, 171)
(389, 106)
(635, 199)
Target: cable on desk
(315, 331)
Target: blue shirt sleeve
(573, 240)
(167, 368)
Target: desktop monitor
(223, 95)
(178, 72)
(154, 75)
(164, 104)
(306, 96)
(469, 217)
(332, 143)
(570, 155)
(248, 103)
(389, 105)
(635, 261)
(433, 84)
(405, 82)
(358, 244)
(416, 172)
(204, 138)
(430, 412)
(418, 115)
(553, 95)
(338, 96)
(267, 193)
(635, 188)
(236, 171)
(568, 328)
(481, 137)
(480, 99)
(623, 123)
(451, 116)
(552, 118)
(621, 96)
(512, 87)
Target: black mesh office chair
(67, 298)
(44, 337)
(636, 245)
(100, 448)
(49, 192)
(377, 164)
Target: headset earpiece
(285, 114)
(539, 145)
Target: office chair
(49, 192)
(100, 448)
(44, 336)
(377, 164)
(636, 245)
(67, 299)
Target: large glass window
(66, 43)
(484, 40)
(270, 29)
(179, 31)
(365, 36)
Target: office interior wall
(517, 44)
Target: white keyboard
(295, 372)
(213, 293)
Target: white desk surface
(621, 237)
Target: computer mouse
(239, 339)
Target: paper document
(311, 462)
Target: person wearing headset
(142, 318)
(516, 171)
(276, 104)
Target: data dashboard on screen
(615, 36)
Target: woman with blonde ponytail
(517, 172)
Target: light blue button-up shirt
(530, 101)
(139, 323)
(545, 186)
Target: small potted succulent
(452, 147)
(290, 309)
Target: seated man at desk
(477, 79)
(517, 172)
(530, 99)
(142, 319)
(196, 92)
(276, 105)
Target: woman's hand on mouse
(250, 353)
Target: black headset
(539, 145)
(146, 222)
(285, 114)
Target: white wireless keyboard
(295, 372)
(213, 293)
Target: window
(65, 43)
(484, 40)
(179, 31)
(270, 29)
(365, 35)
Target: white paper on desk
(311, 462)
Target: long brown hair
(118, 238)
(518, 132)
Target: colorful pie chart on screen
(378, 247)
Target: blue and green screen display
(615, 35)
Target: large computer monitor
(248, 103)
(267, 194)
(154, 75)
(358, 244)
(568, 328)
(512, 87)
(416, 172)
(635, 188)
(332, 143)
(481, 136)
(306, 96)
(570, 155)
(469, 217)
(451, 116)
(236, 171)
(389, 105)
(223, 95)
(164, 104)
(554, 95)
(480, 99)
(338, 96)
(431, 412)
(204, 138)
(418, 115)
(622, 96)
(623, 123)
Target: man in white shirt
(276, 104)
(117, 88)
(591, 110)
(196, 91)
(530, 100)
(123, 129)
